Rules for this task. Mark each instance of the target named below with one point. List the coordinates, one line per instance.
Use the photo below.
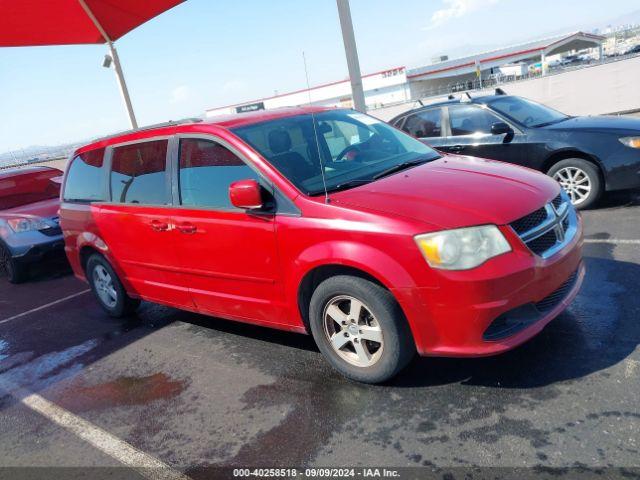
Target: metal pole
(351, 51)
(601, 53)
(123, 85)
(116, 63)
(543, 63)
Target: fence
(499, 79)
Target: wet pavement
(195, 392)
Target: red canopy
(67, 22)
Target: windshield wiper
(401, 166)
(552, 122)
(344, 186)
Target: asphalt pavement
(192, 393)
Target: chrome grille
(548, 229)
(52, 232)
(54, 228)
(532, 220)
(543, 243)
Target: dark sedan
(586, 155)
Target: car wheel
(108, 288)
(580, 179)
(360, 328)
(16, 272)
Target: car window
(206, 171)
(138, 173)
(85, 178)
(423, 124)
(470, 119)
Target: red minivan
(325, 221)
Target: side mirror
(500, 128)
(246, 194)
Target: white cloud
(453, 9)
(180, 94)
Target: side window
(206, 171)
(85, 178)
(138, 173)
(469, 119)
(424, 124)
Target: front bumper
(35, 246)
(455, 318)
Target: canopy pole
(123, 85)
(116, 64)
(351, 51)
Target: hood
(455, 191)
(599, 124)
(42, 209)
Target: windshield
(526, 112)
(355, 149)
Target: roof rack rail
(170, 123)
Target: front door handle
(187, 228)
(456, 148)
(159, 226)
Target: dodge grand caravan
(324, 221)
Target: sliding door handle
(187, 228)
(159, 226)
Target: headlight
(24, 224)
(463, 248)
(633, 142)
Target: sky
(208, 53)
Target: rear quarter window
(85, 178)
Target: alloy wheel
(353, 331)
(575, 182)
(103, 284)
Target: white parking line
(146, 465)
(37, 309)
(614, 241)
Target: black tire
(16, 272)
(590, 170)
(398, 348)
(124, 305)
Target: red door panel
(230, 262)
(141, 243)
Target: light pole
(351, 51)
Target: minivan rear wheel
(360, 329)
(108, 289)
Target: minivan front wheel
(360, 328)
(108, 289)
(580, 179)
